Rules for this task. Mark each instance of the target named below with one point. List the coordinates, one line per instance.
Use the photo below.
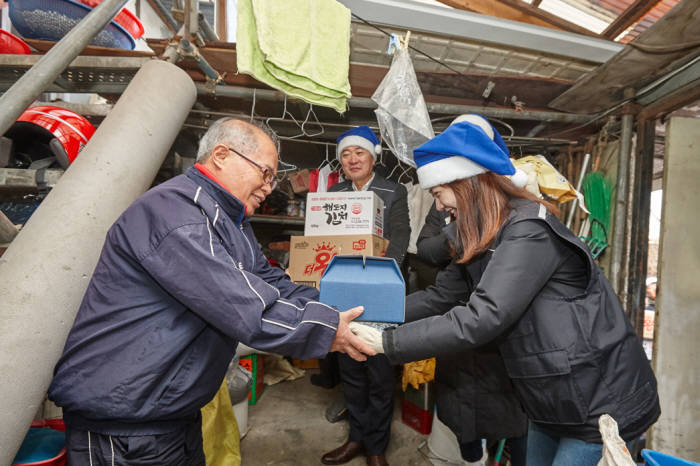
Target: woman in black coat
(475, 397)
(566, 343)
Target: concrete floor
(287, 427)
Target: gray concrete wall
(46, 269)
(676, 347)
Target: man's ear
(219, 155)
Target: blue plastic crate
(373, 282)
(654, 458)
(53, 19)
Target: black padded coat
(567, 345)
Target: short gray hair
(240, 135)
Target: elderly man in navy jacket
(180, 281)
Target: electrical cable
(388, 34)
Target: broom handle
(584, 167)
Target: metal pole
(584, 167)
(364, 102)
(618, 240)
(630, 218)
(45, 271)
(174, 25)
(206, 30)
(46, 70)
(191, 19)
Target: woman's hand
(346, 341)
(370, 335)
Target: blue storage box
(373, 282)
(654, 458)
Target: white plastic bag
(403, 118)
(615, 451)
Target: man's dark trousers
(368, 388)
(182, 447)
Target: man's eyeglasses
(267, 172)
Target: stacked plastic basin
(52, 19)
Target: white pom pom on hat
(519, 178)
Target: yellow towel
(301, 47)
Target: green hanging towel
(301, 47)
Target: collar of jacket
(230, 204)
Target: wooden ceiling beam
(517, 10)
(628, 17)
(536, 3)
(554, 20)
(221, 27)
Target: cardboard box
(373, 282)
(344, 213)
(648, 330)
(310, 255)
(254, 364)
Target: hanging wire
(388, 34)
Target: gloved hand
(370, 335)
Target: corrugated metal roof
(608, 10)
(368, 46)
(597, 15)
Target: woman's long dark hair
(482, 206)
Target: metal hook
(252, 109)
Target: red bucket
(60, 458)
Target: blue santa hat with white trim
(468, 147)
(361, 136)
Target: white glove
(370, 335)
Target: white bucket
(240, 411)
(444, 447)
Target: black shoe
(337, 411)
(344, 453)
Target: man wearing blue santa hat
(368, 387)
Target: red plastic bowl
(124, 18)
(11, 44)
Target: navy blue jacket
(180, 281)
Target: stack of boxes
(336, 223)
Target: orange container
(11, 44)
